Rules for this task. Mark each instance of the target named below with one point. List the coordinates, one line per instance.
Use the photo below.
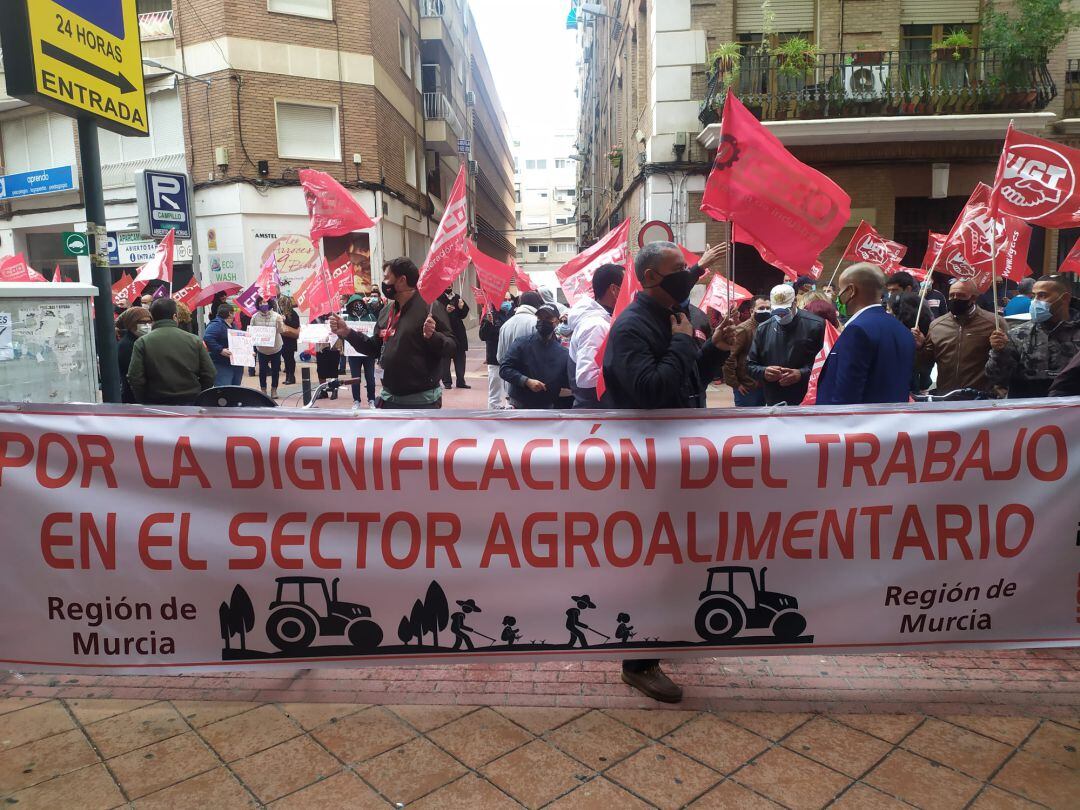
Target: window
(560, 164)
(517, 195)
(321, 9)
(562, 220)
(166, 133)
(404, 51)
(307, 131)
(538, 248)
(410, 162)
(542, 195)
(530, 164)
(536, 222)
(418, 73)
(39, 141)
(150, 6)
(541, 164)
(565, 247)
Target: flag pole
(731, 265)
(836, 269)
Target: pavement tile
(43, 759)
(767, 724)
(412, 770)
(1011, 730)
(861, 797)
(33, 723)
(717, 743)
(429, 718)
(596, 740)
(480, 737)
(135, 729)
(599, 794)
(13, 704)
(244, 734)
(90, 710)
(730, 795)
(467, 793)
(1040, 780)
(993, 798)
(653, 723)
(363, 735)
(841, 748)
(536, 774)
(922, 782)
(1057, 742)
(162, 764)
(285, 768)
(663, 776)
(792, 780)
(214, 790)
(204, 712)
(342, 790)
(960, 749)
(313, 715)
(86, 789)
(889, 727)
(539, 720)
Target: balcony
(1072, 89)
(155, 25)
(882, 84)
(434, 27)
(442, 126)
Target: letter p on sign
(164, 190)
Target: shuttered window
(791, 15)
(307, 131)
(931, 12)
(322, 9)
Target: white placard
(364, 328)
(314, 333)
(242, 348)
(265, 336)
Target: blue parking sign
(162, 199)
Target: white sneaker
(357, 405)
(371, 404)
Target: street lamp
(155, 64)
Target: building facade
(390, 97)
(866, 91)
(545, 186)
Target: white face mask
(143, 328)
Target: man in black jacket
(490, 324)
(535, 365)
(457, 310)
(410, 340)
(653, 361)
(784, 349)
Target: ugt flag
(934, 243)
(977, 244)
(575, 277)
(331, 208)
(160, 267)
(1072, 260)
(1037, 181)
(790, 209)
(867, 245)
(493, 275)
(449, 254)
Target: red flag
(741, 236)
(790, 209)
(480, 298)
(56, 277)
(522, 279)
(331, 207)
(1037, 181)
(1072, 260)
(127, 289)
(717, 294)
(934, 243)
(831, 334)
(449, 254)
(15, 268)
(189, 291)
(627, 292)
(316, 295)
(160, 267)
(269, 280)
(493, 275)
(867, 245)
(575, 277)
(966, 253)
(342, 276)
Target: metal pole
(196, 267)
(94, 199)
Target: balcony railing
(1072, 89)
(438, 108)
(431, 8)
(155, 25)
(852, 85)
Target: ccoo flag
(788, 208)
(493, 275)
(331, 208)
(187, 293)
(449, 254)
(1037, 181)
(575, 277)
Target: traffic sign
(464, 145)
(81, 58)
(75, 243)
(162, 198)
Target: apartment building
(904, 123)
(545, 185)
(389, 97)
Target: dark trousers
(367, 365)
(751, 399)
(391, 406)
(269, 365)
(288, 357)
(459, 369)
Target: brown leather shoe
(654, 683)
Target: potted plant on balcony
(795, 57)
(724, 62)
(956, 46)
(614, 156)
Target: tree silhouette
(225, 620)
(436, 611)
(404, 630)
(242, 614)
(416, 621)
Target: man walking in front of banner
(410, 340)
(652, 361)
(872, 359)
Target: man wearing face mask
(653, 361)
(535, 366)
(490, 325)
(1029, 358)
(959, 341)
(784, 349)
(747, 392)
(168, 366)
(410, 339)
(589, 322)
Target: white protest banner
(262, 335)
(314, 333)
(364, 328)
(230, 539)
(241, 348)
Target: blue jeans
(228, 375)
(367, 364)
(753, 399)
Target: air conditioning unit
(474, 168)
(865, 82)
(470, 98)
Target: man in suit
(872, 359)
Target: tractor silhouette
(734, 601)
(294, 623)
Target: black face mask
(960, 307)
(893, 300)
(545, 328)
(678, 285)
(762, 315)
(388, 290)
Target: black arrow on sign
(117, 80)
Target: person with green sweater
(169, 366)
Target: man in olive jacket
(170, 366)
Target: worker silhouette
(573, 619)
(625, 631)
(458, 626)
(510, 633)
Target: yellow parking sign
(82, 58)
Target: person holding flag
(958, 342)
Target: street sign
(75, 243)
(464, 145)
(162, 198)
(42, 181)
(81, 58)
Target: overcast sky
(533, 58)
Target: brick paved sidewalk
(972, 729)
